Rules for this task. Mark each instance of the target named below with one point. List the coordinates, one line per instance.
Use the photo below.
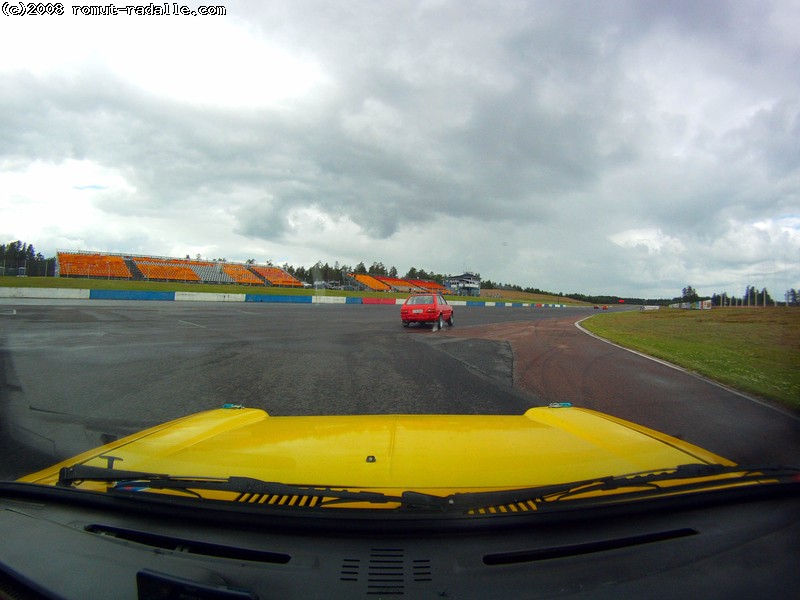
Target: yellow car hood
(441, 453)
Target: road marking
(190, 323)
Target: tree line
(19, 251)
(21, 258)
(752, 297)
(337, 273)
(18, 255)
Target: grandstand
(240, 274)
(92, 264)
(430, 286)
(96, 265)
(165, 270)
(371, 283)
(276, 276)
(399, 285)
(381, 283)
(99, 265)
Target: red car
(426, 308)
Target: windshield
(243, 233)
(220, 237)
(219, 226)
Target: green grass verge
(155, 286)
(754, 350)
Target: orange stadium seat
(166, 270)
(278, 276)
(370, 282)
(430, 286)
(400, 285)
(80, 264)
(241, 274)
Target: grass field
(514, 296)
(755, 350)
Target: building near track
(468, 284)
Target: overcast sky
(628, 148)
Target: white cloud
(652, 241)
(59, 199)
(214, 61)
(629, 148)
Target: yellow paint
(431, 453)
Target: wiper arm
(125, 481)
(76, 473)
(692, 476)
(548, 494)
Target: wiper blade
(127, 481)
(693, 474)
(77, 473)
(689, 477)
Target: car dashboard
(64, 543)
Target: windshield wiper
(693, 476)
(689, 477)
(127, 481)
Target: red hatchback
(426, 308)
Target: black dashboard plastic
(74, 549)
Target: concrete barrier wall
(380, 301)
(203, 297)
(278, 298)
(329, 300)
(80, 294)
(15, 292)
(129, 295)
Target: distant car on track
(426, 308)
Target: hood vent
(281, 500)
(505, 509)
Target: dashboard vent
(509, 558)
(387, 572)
(189, 546)
(386, 575)
(11, 589)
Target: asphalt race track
(74, 374)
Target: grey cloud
(536, 119)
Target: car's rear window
(420, 300)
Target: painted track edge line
(765, 403)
